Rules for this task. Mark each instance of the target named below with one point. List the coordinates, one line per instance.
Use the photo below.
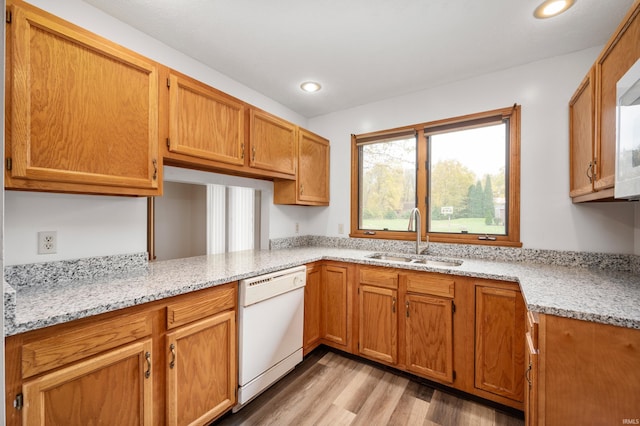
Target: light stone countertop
(589, 294)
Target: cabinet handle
(393, 305)
(407, 307)
(526, 375)
(590, 171)
(147, 356)
(155, 169)
(172, 348)
(242, 153)
(253, 154)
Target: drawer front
(436, 285)
(82, 341)
(194, 307)
(387, 278)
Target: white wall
(87, 225)
(180, 221)
(548, 218)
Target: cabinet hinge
(453, 307)
(168, 143)
(168, 82)
(454, 375)
(18, 403)
(9, 163)
(8, 16)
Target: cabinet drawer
(387, 278)
(80, 342)
(203, 304)
(433, 284)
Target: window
(463, 174)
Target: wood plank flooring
(328, 388)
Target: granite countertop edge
(586, 294)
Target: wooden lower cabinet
(335, 302)
(170, 362)
(588, 373)
(378, 323)
(429, 336)
(115, 387)
(209, 345)
(499, 351)
(532, 371)
(312, 308)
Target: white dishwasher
(270, 325)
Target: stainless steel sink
(428, 262)
(390, 257)
(438, 263)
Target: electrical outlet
(341, 228)
(47, 242)
(297, 227)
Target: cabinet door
(334, 304)
(313, 168)
(531, 387)
(204, 122)
(378, 323)
(114, 388)
(581, 132)
(429, 336)
(273, 143)
(499, 357)
(312, 306)
(617, 58)
(201, 370)
(83, 111)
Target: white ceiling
(363, 50)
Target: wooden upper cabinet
(312, 184)
(82, 113)
(592, 115)
(622, 51)
(581, 138)
(273, 143)
(204, 122)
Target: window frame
(512, 237)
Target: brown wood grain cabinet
(167, 362)
(82, 112)
(428, 319)
(335, 305)
(201, 373)
(312, 308)
(581, 138)
(272, 143)
(593, 114)
(531, 372)
(587, 373)
(204, 123)
(311, 186)
(499, 352)
(378, 331)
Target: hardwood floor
(328, 388)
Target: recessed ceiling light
(310, 86)
(550, 8)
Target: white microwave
(628, 134)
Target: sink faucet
(414, 216)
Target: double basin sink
(416, 260)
